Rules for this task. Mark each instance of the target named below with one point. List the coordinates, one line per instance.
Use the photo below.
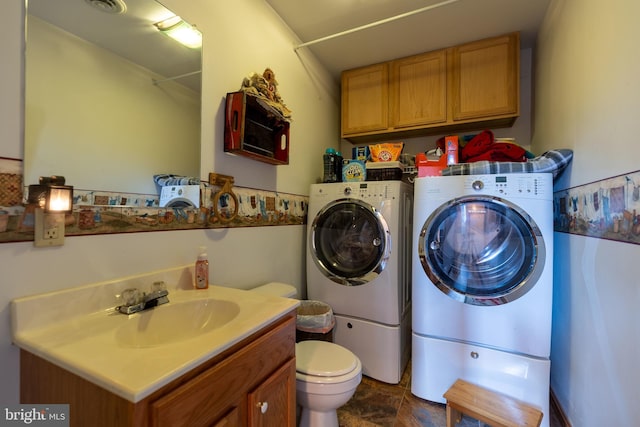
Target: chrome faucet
(135, 301)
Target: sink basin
(175, 322)
(134, 356)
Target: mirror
(102, 105)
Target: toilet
(327, 374)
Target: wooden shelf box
(255, 130)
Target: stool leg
(453, 416)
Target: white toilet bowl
(327, 376)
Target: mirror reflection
(110, 101)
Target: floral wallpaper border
(103, 212)
(607, 209)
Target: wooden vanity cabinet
(251, 384)
(471, 86)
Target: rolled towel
(554, 161)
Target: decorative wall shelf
(253, 129)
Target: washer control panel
(366, 190)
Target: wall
(239, 37)
(586, 98)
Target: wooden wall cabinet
(419, 90)
(472, 86)
(365, 100)
(251, 384)
(255, 130)
(485, 79)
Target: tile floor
(379, 404)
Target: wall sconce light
(180, 31)
(52, 200)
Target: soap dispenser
(202, 269)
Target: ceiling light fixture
(180, 31)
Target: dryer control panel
(515, 185)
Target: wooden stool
(488, 406)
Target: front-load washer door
(481, 250)
(350, 242)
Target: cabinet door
(365, 99)
(485, 79)
(230, 419)
(419, 90)
(273, 403)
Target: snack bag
(386, 152)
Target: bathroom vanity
(114, 370)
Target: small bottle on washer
(202, 269)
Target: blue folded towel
(164, 180)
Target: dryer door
(350, 242)
(481, 250)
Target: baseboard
(558, 409)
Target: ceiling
(447, 23)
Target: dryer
(482, 284)
(358, 262)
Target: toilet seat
(325, 362)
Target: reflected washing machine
(482, 285)
(359, 262)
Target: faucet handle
(131, 296)
(160, 285)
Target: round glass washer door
(350, 242)
(481, 250)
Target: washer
(359, 262)
(482, 284)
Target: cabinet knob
(264, 406)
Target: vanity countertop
(91, 344)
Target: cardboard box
(360, 153)
(353, 171)
(434, 167)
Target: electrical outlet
(49, 229)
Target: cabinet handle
(264, 406)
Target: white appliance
(180, 196)
(482, 284)
(358, 262)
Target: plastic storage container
(384, 171)
(315, 321)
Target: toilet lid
(324, 359)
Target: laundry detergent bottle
(329, 159)
(202, 269)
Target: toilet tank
(277, 289)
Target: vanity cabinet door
(273, 403)
(231, 419)
(220, 394)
